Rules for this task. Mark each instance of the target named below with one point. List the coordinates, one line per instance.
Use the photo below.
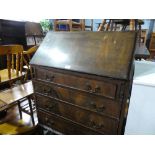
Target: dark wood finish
(93, 86)
(77, 114)
(152, 45)
(64, 126)
(61, 50)
(82, 81)
(105, 106)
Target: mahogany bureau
(82, 81)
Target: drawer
(63, 126)
(74, 113)
(95, 103)
(103, 88)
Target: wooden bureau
(83, 81)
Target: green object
(46, 25)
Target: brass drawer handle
(98, 109)
(96, 126)
(99, 126)
(50, 106)
(50, 78)
(88, 87)
(97, 89)
(101, 109)
(50, 92)
(91, 123)
(48, 121)
(93, 104)
(46, 91)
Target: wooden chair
(72, 25)
(111, 24)
(13, 71)
(16, 96)
(27, 55)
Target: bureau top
(107, 54)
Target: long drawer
(74, 113)
(63, 125)
(99, 104)
(103, 88)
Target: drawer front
(63, 126)
(92, 86)
(85, 117)
(98, 104)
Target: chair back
(30, 52)
(14, 60)
(27, 55)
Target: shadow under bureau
(82, 81)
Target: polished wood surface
(105, 106)
(102, 88)
(82, 82)
(69, 102)
(61, 125)
(14, 94)
(100, 53)
(84, 117)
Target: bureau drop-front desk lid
(108, 54)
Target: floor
(11, 120)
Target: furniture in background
(112, 25)
(27, 55)
(152, 46)
(126, 24)
(77, 90)
(87, 27)
(105, 25)
(143, 36)
(72, 25)
(34, 34)
(141, 113)
(11, 32)
(17, 95)
(14, 69)
(141, 52)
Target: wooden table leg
(31, 110)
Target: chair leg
(19, 108)
(31, 110)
